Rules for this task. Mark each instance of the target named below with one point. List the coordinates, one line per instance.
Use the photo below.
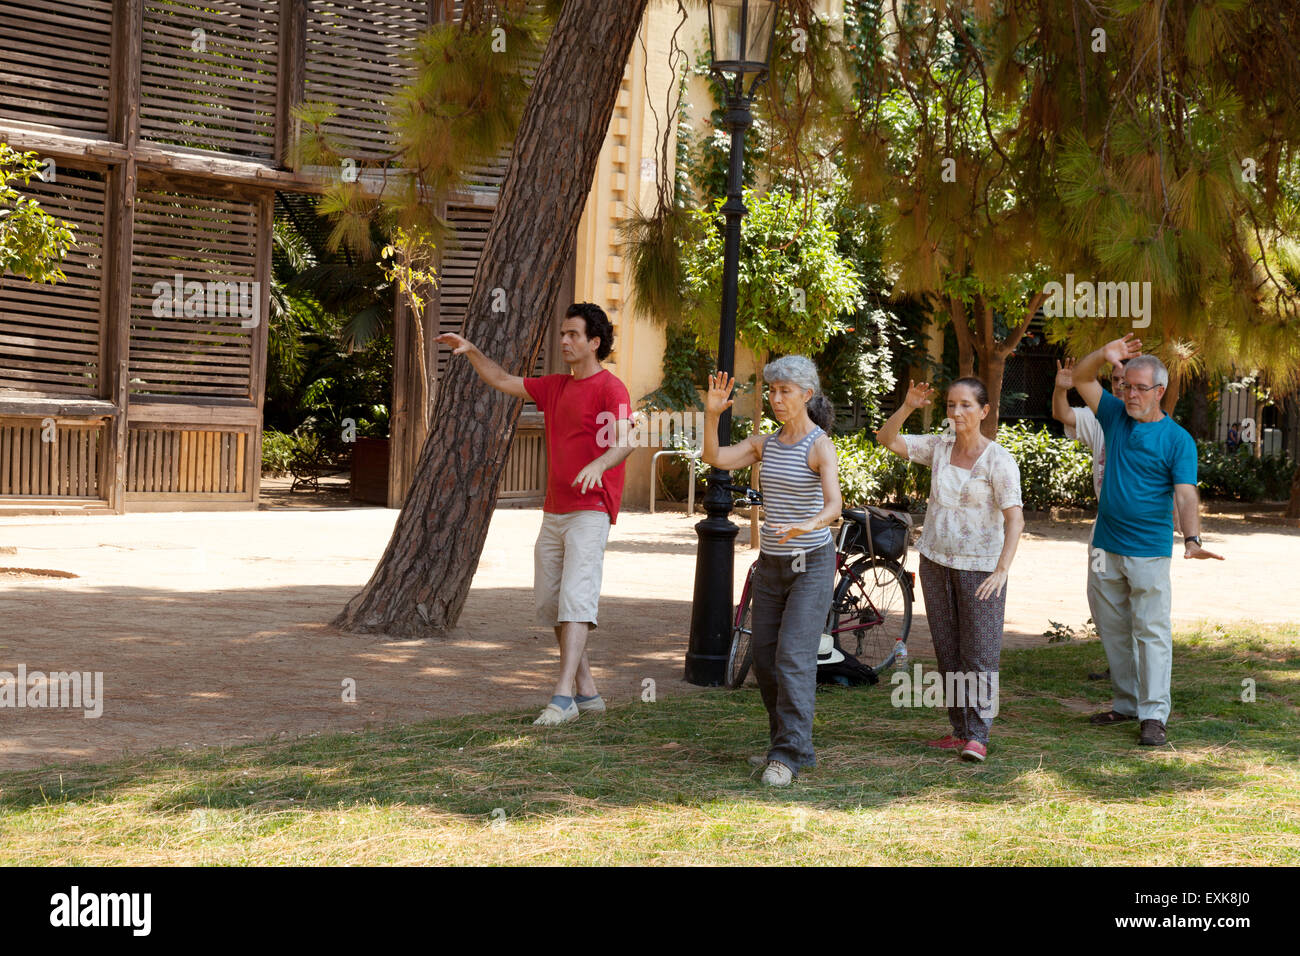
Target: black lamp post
(740, 42)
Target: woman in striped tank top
(794, 576)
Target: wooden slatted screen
(61, 460)
(524, 475)
(460, 257)
(50, 334)
(355, 62)
(205, 350)
(208, 74)
(181, 461)
(54, 63)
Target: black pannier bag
(889, 532)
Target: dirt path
(213, 628)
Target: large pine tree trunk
(421, 583)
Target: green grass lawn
(667, 782)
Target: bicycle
(872, 600)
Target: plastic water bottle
(900, 654)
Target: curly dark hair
(598, 326)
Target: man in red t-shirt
(587, 413)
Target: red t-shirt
(580, 415)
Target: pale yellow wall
(600, 276)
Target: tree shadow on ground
(690, 750)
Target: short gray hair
(797, 369)
(1159, 374)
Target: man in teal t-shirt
(1150, 470)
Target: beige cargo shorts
(568, 560)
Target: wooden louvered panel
(355, 61)
(489, 176)
(221, 96)
(460, 258)
(184, 461)
(50, 334)
(54, 63)
(205, 240)
(51, 460)
(524, 474)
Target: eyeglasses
(1119, 386)
(1142, 388)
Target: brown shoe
(1153, 734)
(1110, 717)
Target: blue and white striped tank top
(792, 492)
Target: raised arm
(1116, 352)
(727, 457)
(488, 370)
(1061, 409)
(918, 396)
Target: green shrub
(1240, 475)
(871, 474)
(1054, 471)
(279, 449)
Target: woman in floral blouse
(973, 522)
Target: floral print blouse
(963, 520)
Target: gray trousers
(1130, 602)
(790, 608)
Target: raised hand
(718, 400)
(1121, 350)
(919, 394)
(1065, 373)
(460, 344)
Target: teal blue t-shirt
(1144, 460)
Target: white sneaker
(552, 716)
(596, 705)
(777, 774)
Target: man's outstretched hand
(1193, 550)
(460, 345)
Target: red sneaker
(947, 743)
(974, 751)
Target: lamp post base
(711, 609)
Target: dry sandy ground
(213, 628)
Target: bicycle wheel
(741, 653)
(872, 611)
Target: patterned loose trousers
(967, 636)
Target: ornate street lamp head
(740, 39)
